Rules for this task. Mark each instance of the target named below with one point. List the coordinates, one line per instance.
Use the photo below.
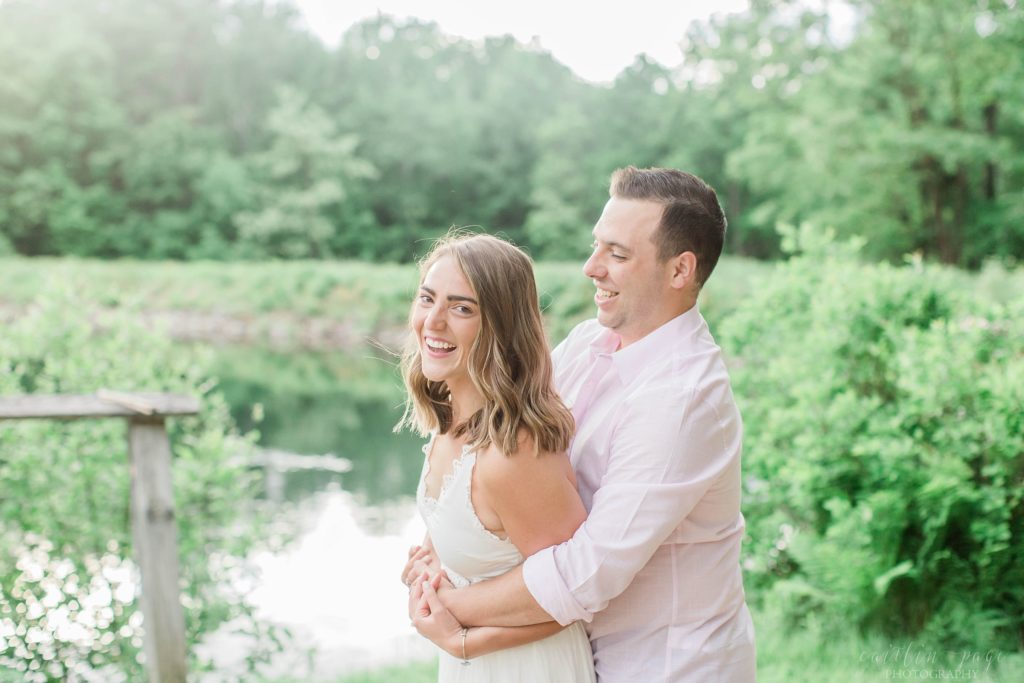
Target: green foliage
(302, 182)
(818, 651)
(69, 587)
(884, 445)
(910, 135)
(207, 129)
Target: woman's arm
(482, 640)
(436, 623)
(532, 494)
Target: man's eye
(618, 257)
(424, 299)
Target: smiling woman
(496, 483)
(477, 359)
(446, 322)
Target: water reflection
(336, 583)
(316, 403)
(336, 587)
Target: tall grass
(370, 298)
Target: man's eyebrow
(451, 297)
(614, 245)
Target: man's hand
(431, 618)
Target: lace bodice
(467, 550)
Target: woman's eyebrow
(450, 297)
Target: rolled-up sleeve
(543, 580)
(667, 449)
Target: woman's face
(446, 321)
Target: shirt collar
(666, 339)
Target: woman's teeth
(439, 345)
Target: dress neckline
(448, 477)
(466, 458)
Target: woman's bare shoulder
(524, 464)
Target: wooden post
(154, 527)
(155, 534)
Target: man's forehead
(612, 237)
(625, 221)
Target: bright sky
(596, 40)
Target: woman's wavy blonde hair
(509, 363)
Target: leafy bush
(884, 445)
(68, 585)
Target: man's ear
(684, 270)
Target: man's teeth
(440, 345)
(605, 294)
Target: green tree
(302, 180)
(449, 123)
(740, 70)
(905, 137)
(591, 134)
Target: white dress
(470, 553)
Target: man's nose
(593, 268)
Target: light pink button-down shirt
(655, 567)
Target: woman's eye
(424, 299)
(465, 310)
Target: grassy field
(333, 288)
(369, 298)
(812, 655)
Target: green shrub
(68, 585)
(884, 447)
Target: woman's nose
(435, 318)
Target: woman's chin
(433, 374)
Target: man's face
(633, 290)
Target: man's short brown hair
(692, 219)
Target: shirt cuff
(540, 574)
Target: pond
(335, 583)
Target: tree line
(206, 129)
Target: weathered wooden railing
(154, 527)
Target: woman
(496, 484)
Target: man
(654, 570)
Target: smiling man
(654, 571)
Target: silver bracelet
(463, 632)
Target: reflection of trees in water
(313, 403)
